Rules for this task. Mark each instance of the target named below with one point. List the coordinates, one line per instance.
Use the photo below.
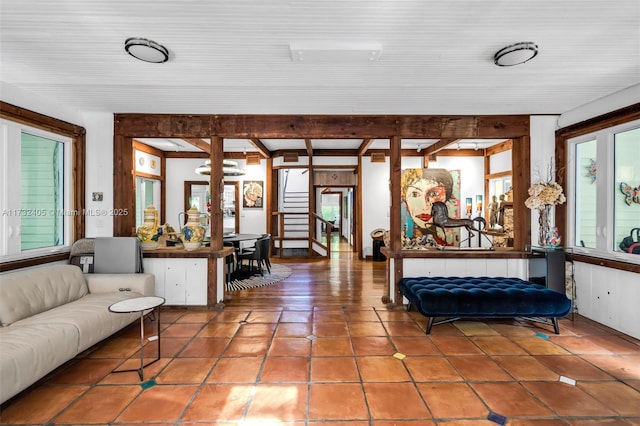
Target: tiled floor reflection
(344, 366)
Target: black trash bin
(377, 254)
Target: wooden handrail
(311, 238)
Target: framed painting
(252, 194)
(420, 189)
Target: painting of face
(420, 189)
(420, 197)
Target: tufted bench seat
(483, 297)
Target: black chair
(252, 254)
(265, 251)
(231, 263)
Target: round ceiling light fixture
(515, 54)
(146, 50)
(229, 168)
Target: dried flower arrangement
(542, 196)
(545, 193)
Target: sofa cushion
(90, 316)
(29, 352)
(31, 291)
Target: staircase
(293, 236)
(296, 225)
(293, 205)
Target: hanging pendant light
(229, 168)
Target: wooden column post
(395, 171)
(124, 186)
(216, 183)
(358, 218)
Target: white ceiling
(233, 57)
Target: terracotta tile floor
(344, 366)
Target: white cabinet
(181, 281)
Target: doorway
(335, 205)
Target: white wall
(376, 200)
(252, 221)
(99, 166)
(543, 143)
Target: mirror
(196, 194)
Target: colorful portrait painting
(252, 194)
(420, 189)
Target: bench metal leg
(548, 321)
(430, 324)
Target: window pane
(585, 194)
(147, 193)
(627, 181)
(42, 192)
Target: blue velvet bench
(483, 297)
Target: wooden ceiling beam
(199, 143)
(366, 143)
(438, 146)
(320, 126)
(262, 149)
(309, 146)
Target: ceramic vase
(193, 232)
(147, 233)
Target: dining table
(236, 239)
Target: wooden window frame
(77, 134)
(563, 135)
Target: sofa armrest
(139, 283)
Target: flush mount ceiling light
(146, 50)
(515, 54)
(334, 52)
(229, 168)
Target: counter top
(179, 251)
(462, 253)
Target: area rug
(278, 273)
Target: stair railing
(313, 237)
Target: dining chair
(251, 256)
(231, 263)
(265, 251)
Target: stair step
(298, 227)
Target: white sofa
(50, 314)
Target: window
(147, 193)
(37, 215)
(604, 180)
